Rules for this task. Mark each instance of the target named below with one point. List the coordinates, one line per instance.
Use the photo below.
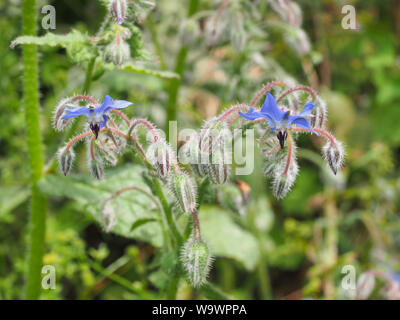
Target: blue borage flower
(96, 115)
(280, 120)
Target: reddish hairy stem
(304, 88)
(147, 124)
(321, 131)
(84, 97)
(196, 225)
(265, 89)
(122, 115)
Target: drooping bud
(318, 114)
(288, 10)
(237, 32)
(218, 169)
(65, 160)
(96, 168)
(118, 9)
(333, 153)
(231, 197)
(184, 189)
(285, 172)
(109, 216)
(160, 155)
(58, 123)
(283, 182)
(214, 134)
(196, 260)
(298, 40)
(365, 285)
(117, 52)
(189, 31)
(191, 154)
(272, 154)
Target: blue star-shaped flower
(96, 116)
(280, 120)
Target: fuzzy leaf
(226, 239)
(131, 207)
(77, 44)
(151, 72)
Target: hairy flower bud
(365, 285)
(288, 10)
(334, 154)
(160, 155)
(118, 9)
(285, 173)
(189, 31)
(65, 160)
(196, 260)
(58, 123)
(318, 114)
(191, 154)
(109, 217)
(117, 52)
(298, 40)
(271, 152)
(214, 134)
(283, 182)
(218, 169)
(97, 169)
(184, 189)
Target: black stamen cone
(95, 129)
(282, 137)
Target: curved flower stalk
(106, 139)
(284, 123)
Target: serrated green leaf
(130, 207)
(77, 44)
(226, 238)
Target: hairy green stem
(37, 227)
(168, 212)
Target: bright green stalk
(37, 225)
(172, 107)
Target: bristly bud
(196, 260)
(318, 114)
(365, 285)
(109, 216)
(191, 154)
(214, 134)
(334, 154)
(189, 31)
(283, 182)
(96, 168)
(58, 123)
(285, 173)
(218, 169)
(289, 11)
(118, 9)
(271, 152)
(298, 40)
(184, 189)
(160, 155)
(117, 52)
(65, 160)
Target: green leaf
(77, 44)
(151, 72)
(226, 238)
(132, 208)
(141, 222)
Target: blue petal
(307, 108)
(120, 104)
(301, 122)
(108, 102)
(72, 113)
(103, 123)
(271, 121)
(251, 115)
(271, 108)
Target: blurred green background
(288, 249)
